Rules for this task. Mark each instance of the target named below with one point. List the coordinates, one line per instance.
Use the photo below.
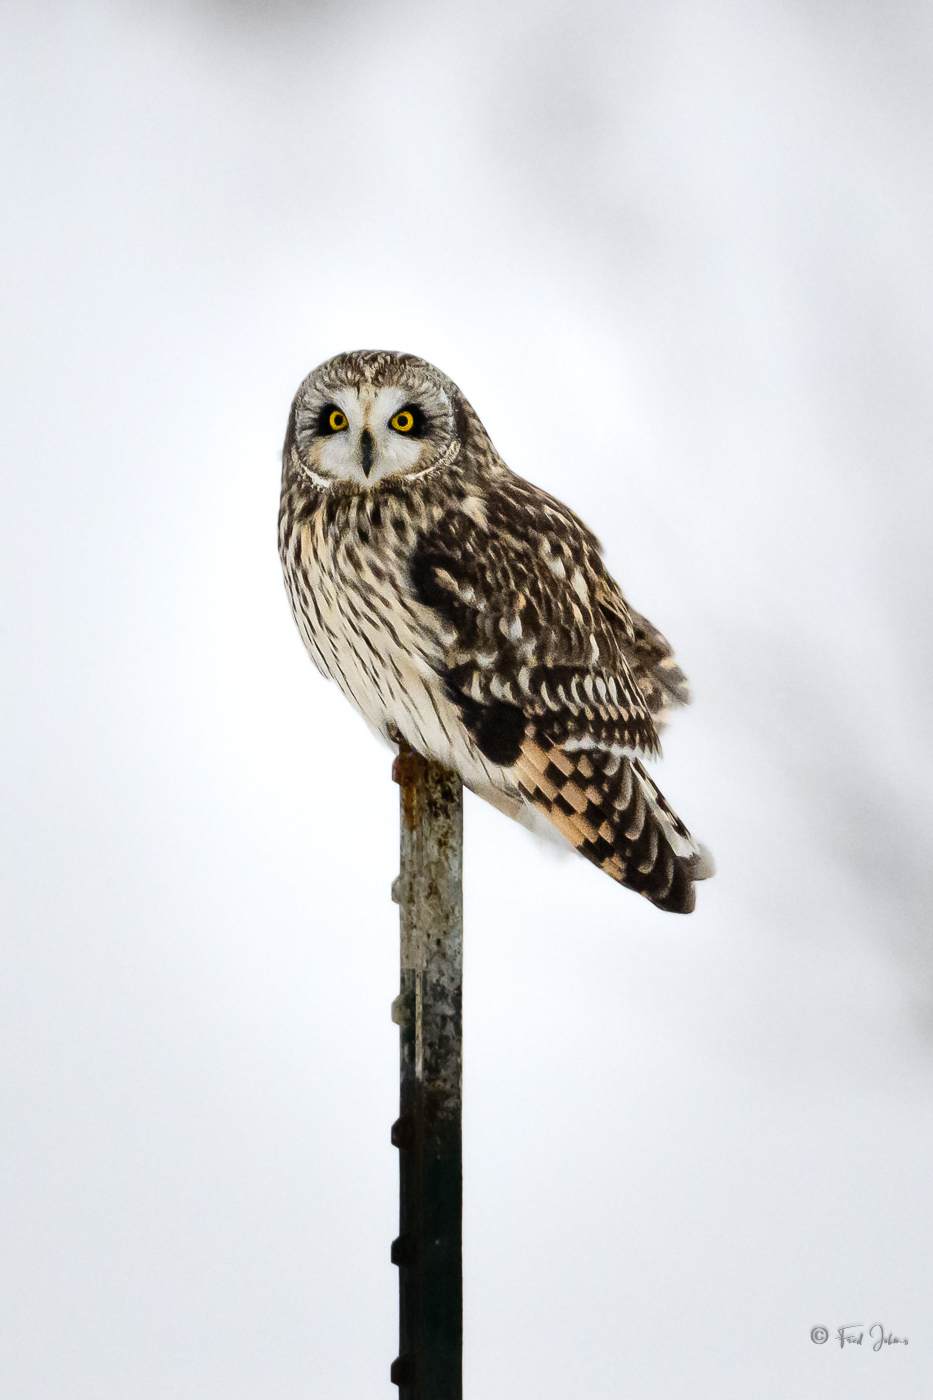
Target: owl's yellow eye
(337, 421)
(403, 422)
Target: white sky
(678, 256)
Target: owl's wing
(558, 680)
(650, 655)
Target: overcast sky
(678, 256)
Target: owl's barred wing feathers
(558, 680)
(608, 806)
(660, 679)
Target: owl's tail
(609, 808)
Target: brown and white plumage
(464, 609)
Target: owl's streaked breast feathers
(469, 611)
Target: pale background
(678, 255)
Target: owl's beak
(367, 444)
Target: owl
(462, 609)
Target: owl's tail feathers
(609, 808)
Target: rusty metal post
(428, 1011)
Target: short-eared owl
(462, 609)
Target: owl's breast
(350, 591)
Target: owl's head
(369, 415)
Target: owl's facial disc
(363, 434)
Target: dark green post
(428, 1011)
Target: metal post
(428, 1011)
